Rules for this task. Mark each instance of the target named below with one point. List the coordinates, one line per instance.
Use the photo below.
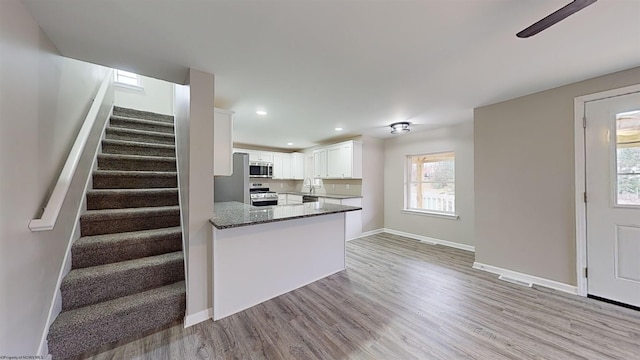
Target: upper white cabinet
(339, 161)
(297, 166)
(320, 163)
(264, 156)
(222, 142)
(286, 166)
(281, 165)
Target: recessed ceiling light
(261, 112)
(338, 129)
(289, 144)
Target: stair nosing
(144, 121)
(126, 213)
(108, 192)
(137, 143)
(104, 238)
(138, 157)
(144, 112)
(90, 313)
(140, 132)
(76, 276)
(134, 172)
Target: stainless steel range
(262, 196)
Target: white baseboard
(431, 241)
(526, 279)
(368, 233)
(198, 317)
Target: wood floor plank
(404, 299)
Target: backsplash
(335, 187)
(329, 186)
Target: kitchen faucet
(311, 188)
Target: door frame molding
(580, 103)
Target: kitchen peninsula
(262, 252)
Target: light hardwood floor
(402, 299)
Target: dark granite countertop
(235, 214)
(329, 196)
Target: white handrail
(51, 211)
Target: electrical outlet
(333, 186)
(281, 185)
(348, 186)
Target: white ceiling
(360, 65)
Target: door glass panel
(628, 158)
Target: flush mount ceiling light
(400, 127)
(338, 129)
(261, 112)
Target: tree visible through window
(431, 183)
(628, 158)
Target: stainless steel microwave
(260, 169)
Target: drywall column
(194, 120)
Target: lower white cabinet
(353, 219)
(294, 199)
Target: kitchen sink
(309, 198)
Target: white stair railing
(52, 209)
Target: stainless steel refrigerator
(236, 186)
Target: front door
(612, 141)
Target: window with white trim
(430, 183)
(126, 77)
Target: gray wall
(372, 184)
(155, 96)
(43, 101)
(524, 179)
(458, 138)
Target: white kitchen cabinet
(281, 165)
(332, 201)
(353, 219)
(277, 166)
(282, 199)
(222, 142)
(286, 166)
(257, 155)
(297, 166)
(320, 163)
(294, 199)
(339, 161)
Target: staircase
(127, 273)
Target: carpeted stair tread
(97, 215)
(141, 124)
(104, 249)
(136, 162)
(116, 133)
(140, 114)
(119, 179)
(91, 285)
(98, 222)
(137, 148)
(79, 330)
(131, 198)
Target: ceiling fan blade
(560, 14)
